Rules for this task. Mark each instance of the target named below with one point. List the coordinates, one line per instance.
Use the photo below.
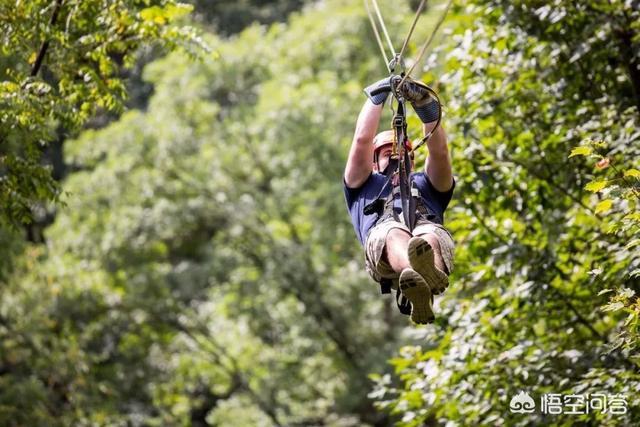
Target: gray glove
(379, 91)
(422, 99)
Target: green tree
(227, 17)
(544, 238)
(204, 270)
(60, 64)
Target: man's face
(383, 158)
(384, 154)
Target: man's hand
(422, 99)
(379, 91)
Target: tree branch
(45, 44)
(631, 62)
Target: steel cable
(384, 28)
(413, 26)
(428, 42)
(377, 34)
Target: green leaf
(632, 243)
(626, 293)
(374, 377)
(604, 206)
(630, 318)
(581, 151)
(633, 216)
(635, 173)
(178, 10)
(153, 14)
(613, 306)
(595, 186)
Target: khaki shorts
(375, 242)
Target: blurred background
(175, 248)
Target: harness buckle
(398, 121)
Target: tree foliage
(60, 62)
(545, 297)
(227, 17)
(204, 271)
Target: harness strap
(408, 204)
(377, 205)
(385, 286)
(404, 305)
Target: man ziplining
(398, 214)
(417, 262)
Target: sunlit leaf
(635, 173)
(595, 186)
(581, 151)
(613, 306)
(633, 216)
(603, 206)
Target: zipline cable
(413, 26)
(377, 34)
(384, 28)
(428, 42)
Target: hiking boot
(421, 260)
(416, 290)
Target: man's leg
(386, 257)
(412, 284)
(395, 249)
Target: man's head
(382, 148)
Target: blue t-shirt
(357, 198)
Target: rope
(377, 34)
(384, 28)
(413, 26)
(428, 42)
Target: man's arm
(438, 164)
(360, 160)
(427, 107)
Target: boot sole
(416, 290)
(421, 258)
